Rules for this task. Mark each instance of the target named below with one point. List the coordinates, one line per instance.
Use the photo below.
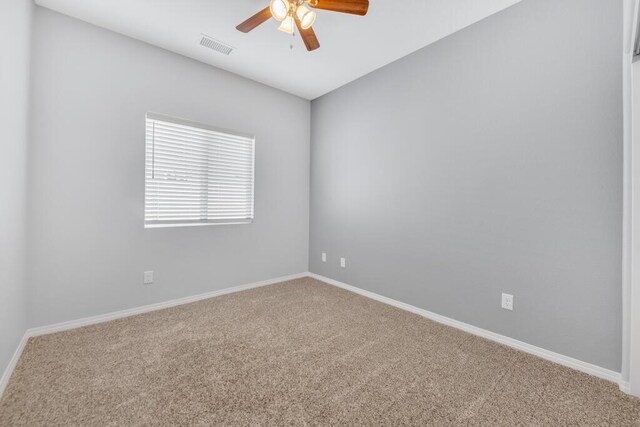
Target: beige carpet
(296, 353)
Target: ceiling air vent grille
(216, 45)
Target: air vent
(216, 45)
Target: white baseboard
(73, 324)
(4, 380)
(625, 386)
(58, 327)
(570, 362)
(528, 348)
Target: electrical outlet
(148, 277)
(324, 257)
(343, 262)
(507, 301)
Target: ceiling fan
(301, 12)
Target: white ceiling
(351, 46)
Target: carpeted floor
(296, 353)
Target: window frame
(203, 126)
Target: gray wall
(488, 162)
(88, 247)
(15, 39)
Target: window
(196, 174)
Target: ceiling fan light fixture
(279, 9)
(301, 14)
(307, 17)
(287, 25)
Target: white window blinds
(196, 174)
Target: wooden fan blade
(355, 7)
(255, 20)
(308, 36)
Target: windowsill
(200, 224)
